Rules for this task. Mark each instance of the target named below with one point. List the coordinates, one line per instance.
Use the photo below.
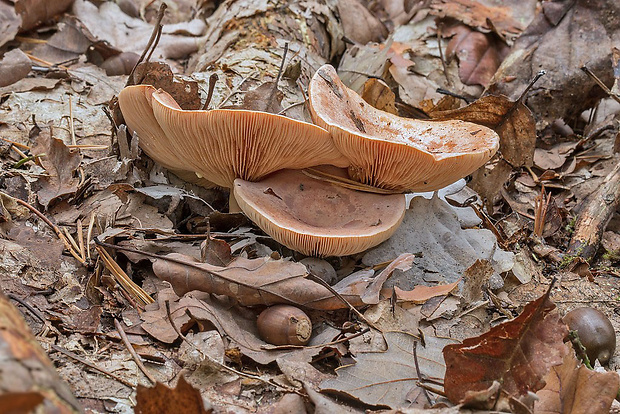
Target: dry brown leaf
(421, 294)
(506, 19)
(550, 43)
(573, 389)
(517, 132)
(378, 94)
(264, 281)
(35, 12)
(359, 24)
(60, 163)
(216, 252)
(15, 65)
(517, 354)
(9, 22)
(479, 54)
(160, 399)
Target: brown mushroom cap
(318, 218)
(396, 153)
(223, 144)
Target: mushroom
(396, 153)
(318, 218)
(224, 144)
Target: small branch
(91, 365)
(132, 351)
(153, 40)
(597, 210)
(601, 84)
(520, 99)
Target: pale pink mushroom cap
(318, 218)
(391, 152)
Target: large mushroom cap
(396, 153)
(318, 218)
(223, 144)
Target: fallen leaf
(359, 24)
(264, 281)
(507, 18)
(550, 43)
(421, 294)
(378, 94)
(573, 388)
(110, 24)
(27, 376)
(9, 22)
(14, 66)
(431, 227)
(476, 279)
(390, 378)
(161, 399)
(518, 354)
(60, 163)
(513, 122)
(479, 54)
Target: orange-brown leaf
(517, 354)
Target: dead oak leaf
(573, 389)
(160, 399)
(518, 354)
(60, 163)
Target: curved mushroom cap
(223, 144)
(135, 103)
(318, 218)
(396, 153)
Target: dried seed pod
(595, 332)
(284, 325)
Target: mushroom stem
(233, 206)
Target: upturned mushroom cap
(223, 144)
(318, 218)
(396, 153)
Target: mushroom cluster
(259, 156)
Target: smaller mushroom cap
(224, 144)
(318, 218)
(396, 153)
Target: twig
(132, 351)
(91, 365)
(597, 210)
(601, 84)
(47, 221)
(341, 298)
(418, 372)
(212, 81)
(441, 56)
(515, 105)
(346, 182)
(154, 35)
(121, 277)
(71, 126)
(80, 236)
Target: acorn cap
(391, 152)
(318, 218)
(223, 144)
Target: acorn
(284, 325)
(595, 332)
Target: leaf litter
(466, 268)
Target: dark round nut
(284, 325)
(595, 333)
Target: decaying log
(594, 216)
(246, 43)
(28, 378)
